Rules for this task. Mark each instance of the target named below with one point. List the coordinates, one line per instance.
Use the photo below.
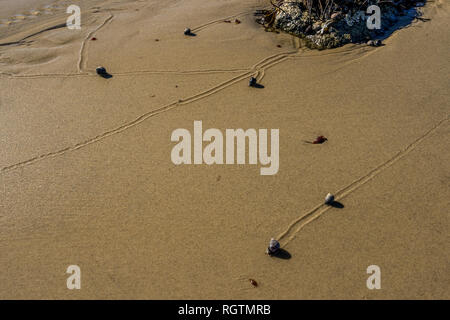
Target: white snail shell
(329, 198)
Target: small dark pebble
(252, 82)
(237, 21)
(94, 38)
(279, 45)
(253, 282)
(187, 31)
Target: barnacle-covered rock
(345, 21)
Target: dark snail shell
(100, 70)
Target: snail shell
(100, 70)
(329, 198)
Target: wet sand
(86, 176)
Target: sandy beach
(86, 176)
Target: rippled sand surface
(86, 176)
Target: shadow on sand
(336, 204)
(257, 86)
(106, 75)
(281, 254)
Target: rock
(187, 31)
(378, 43)
(329, 199)
(252, 82)
(347, 23)
(325, 41)
(370, 43)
